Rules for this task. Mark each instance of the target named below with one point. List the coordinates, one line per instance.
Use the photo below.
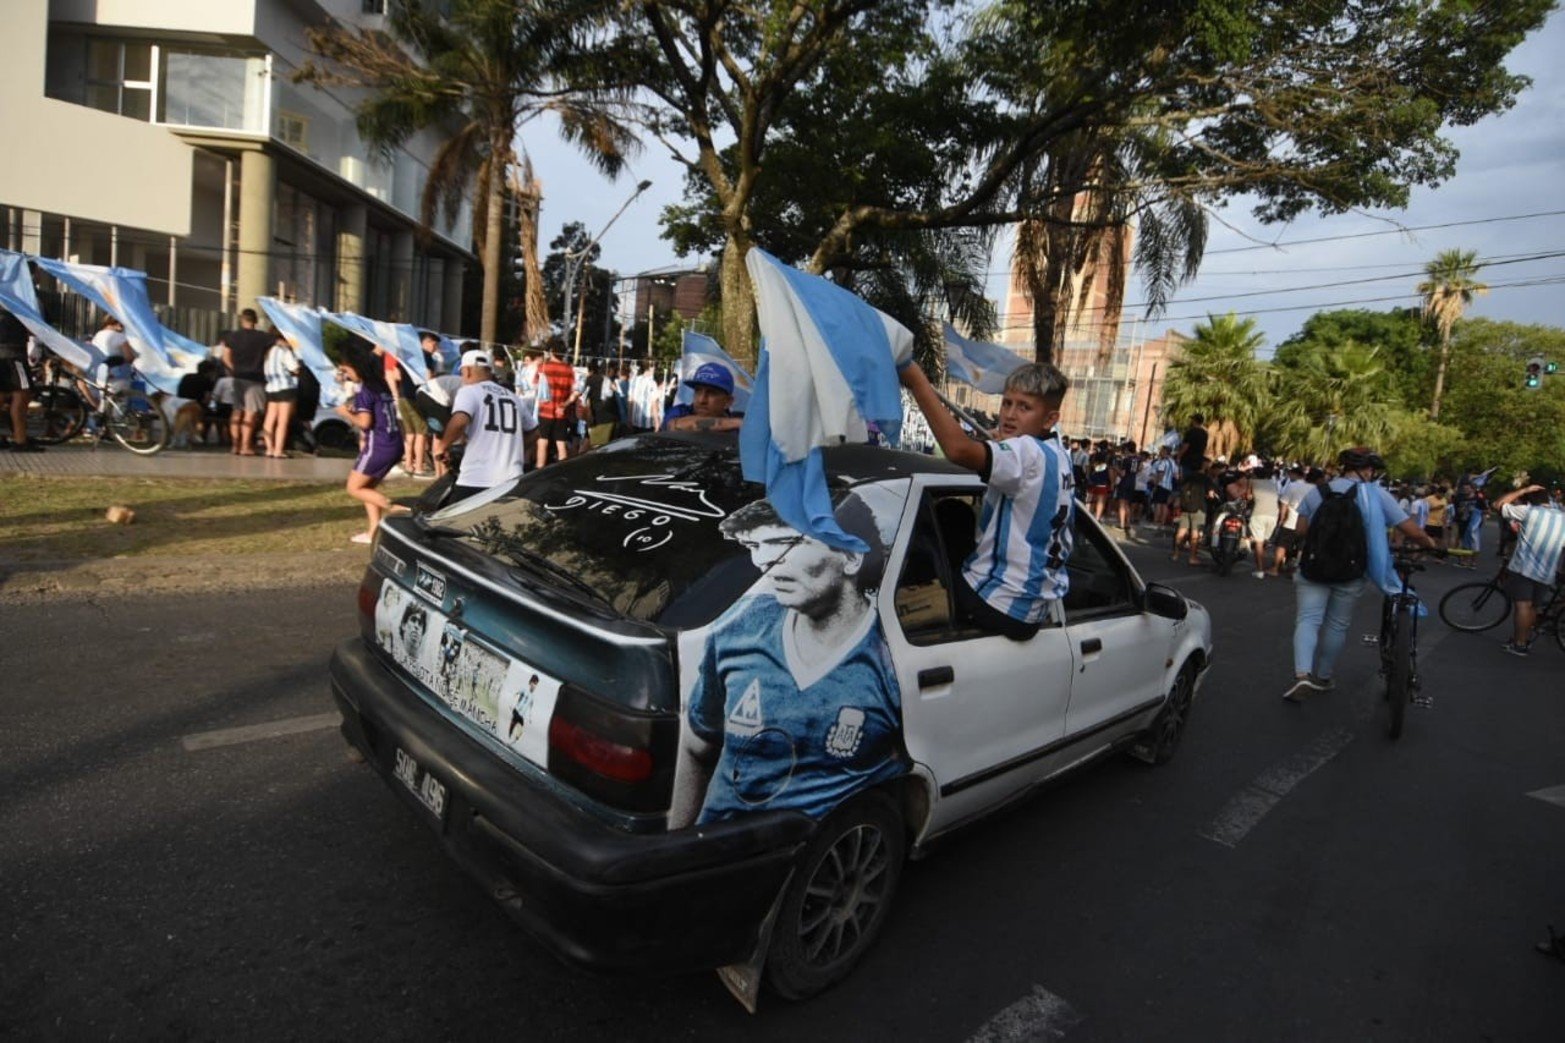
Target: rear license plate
(430, 791)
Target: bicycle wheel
(1475, 607)
(55, 415)
(1399, 672)
(139, 425)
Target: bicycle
(1399, 642)
(1475, 607)
(130, 417)
(57, 412)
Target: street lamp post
(573, 262)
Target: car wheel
(838, 898)
(336, 439)
(1157, 744)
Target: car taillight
(621, 757)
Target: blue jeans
(1320, 623)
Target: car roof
(853, 463)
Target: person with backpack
(1337, 523)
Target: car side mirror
(1165, 601)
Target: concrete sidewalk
(111, 460)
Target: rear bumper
(595, 895)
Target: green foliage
(1332, 398)
(1217, 375)
(1420, 449)
(1396, 335)
(1504, 422)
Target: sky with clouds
(1511, 165)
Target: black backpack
(1335, 548)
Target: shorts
(1160, 494)
(13, 376)
(1194, 521)
(287, 395)
(378, 455)
(435, 415)
(1286, 540)
(1435, 532)
(412, 420)
(560, 429)
(1097, 490)
(1525, 588)
(249, 395)
(1262, 526)
(601, 434)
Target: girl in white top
(282, 397)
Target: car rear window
(634, 524)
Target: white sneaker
(1258, 574)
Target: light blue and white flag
(301, 325)
(978, 364)
(828, 367)
(1481, 479)
(396, 337)
(450, 351)
(18, 297)
(161, 357)
(699, 349)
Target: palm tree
(1217, 375)
(1333, 398)
(1447, 293)
(476, 72)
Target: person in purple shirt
(373, 411)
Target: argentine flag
(302, 326)
(828, 368)
(18, 297)
(977, 364)
(698, 350)
(162, 357)
(396, 337)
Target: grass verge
(45, 518)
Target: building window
(118, 77)
(293, 130)
(224, 91)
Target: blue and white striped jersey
(1537, 554)
(1025, 532)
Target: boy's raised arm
(955, 443)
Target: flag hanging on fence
(978, 364)
(698, 350)
(122, 292)
(828, 368)
(302, 326)
(18, 297)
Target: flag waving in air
(980, 365)
(18, 297)
(699, 349)
(302, 326)
(828, 368)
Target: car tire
(334, 438)
(1157, 744)
(838, 898)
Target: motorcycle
(1230, 535)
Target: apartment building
(168, 136)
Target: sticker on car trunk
(499, 694)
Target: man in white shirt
(495, 424)
(1534, 564)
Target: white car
(666, 731)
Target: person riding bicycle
(1334, 565)
(1536, 560)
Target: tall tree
(529, 201)
(1332, 106)
(1339, 396)
(476, 72)
(1217, 375)
(1448, 292)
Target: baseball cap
(712, 374)
(477, 358)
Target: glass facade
(221, 91)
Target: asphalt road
(1292, 875)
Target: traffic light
(1534, 373)
(1551, 367)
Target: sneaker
(1300, 690)
(1323, 684)
(1515, 649)
(1258, 574)
(26, 447)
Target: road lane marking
(256, 732)
(1553, 795)
(1039, 1015)
(1251, 804)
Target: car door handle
(936, 676)
(1091, 645)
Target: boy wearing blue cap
(713, 384)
